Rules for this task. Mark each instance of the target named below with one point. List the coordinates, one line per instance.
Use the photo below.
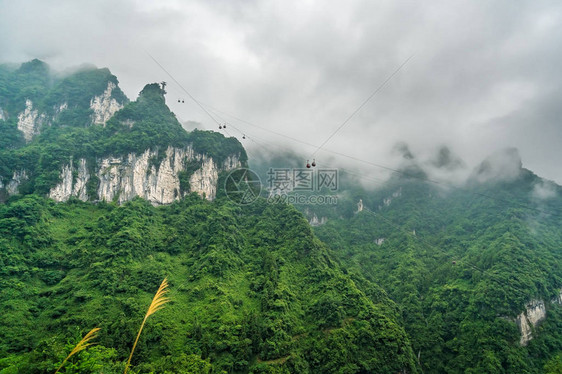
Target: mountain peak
(152, 89)
(504, 165)
(446, 159)
(107, 147)
(34, 66)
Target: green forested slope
(146, 123)
(461, 264)
(47, 91)
(251, 290)
(427, 278)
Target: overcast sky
(484, 75)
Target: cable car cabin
(179, 101)
(313, 163)
(220, 127)
(307, 164)
(182, 101)
(243, 136)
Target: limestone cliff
(38, 96)
(145, 152)
(360, 206)
(386, 201)
(315, 221)
(557, 299)
(73, 182)
(534, 313)
(12, 185)
(149, 175)
(29, 121)
(104, 105)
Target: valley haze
(483, 76)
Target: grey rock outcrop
(73, 182)
(145, 175)
(360, 206)
(12, 185)
(104, 106)
(315, 221)
(534, 313)
(29, 121)
(557, 299)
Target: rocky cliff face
(12, 185)
(387, 201)
(360, 206)
(154, 178)
(534, 313)
(29, 121)
(315, 221)
(159, 162)
(557, 299)
(104, 106)
(73, 182)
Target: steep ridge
(252, 290)
(475, 270)
(102, 199)
(86, 140)
(414, 276)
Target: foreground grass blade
(82, 344)
(157, 303)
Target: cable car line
(422, 178)
(379, 88)
(401, 172)
(184, 90)
(321, 147)
(429, 246)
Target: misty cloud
(445, 159)
(504, 165)
(544, 190)
(484, 75)
(402, 150)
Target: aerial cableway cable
(453, 259)
(379, 88)
(388, 168)
(183, 89)
(321, 146)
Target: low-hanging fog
(483, 76)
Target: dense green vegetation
(425, 279)
(146, 123)
(476, 257)
(30, 81)
(251, 290)
(48, 92)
